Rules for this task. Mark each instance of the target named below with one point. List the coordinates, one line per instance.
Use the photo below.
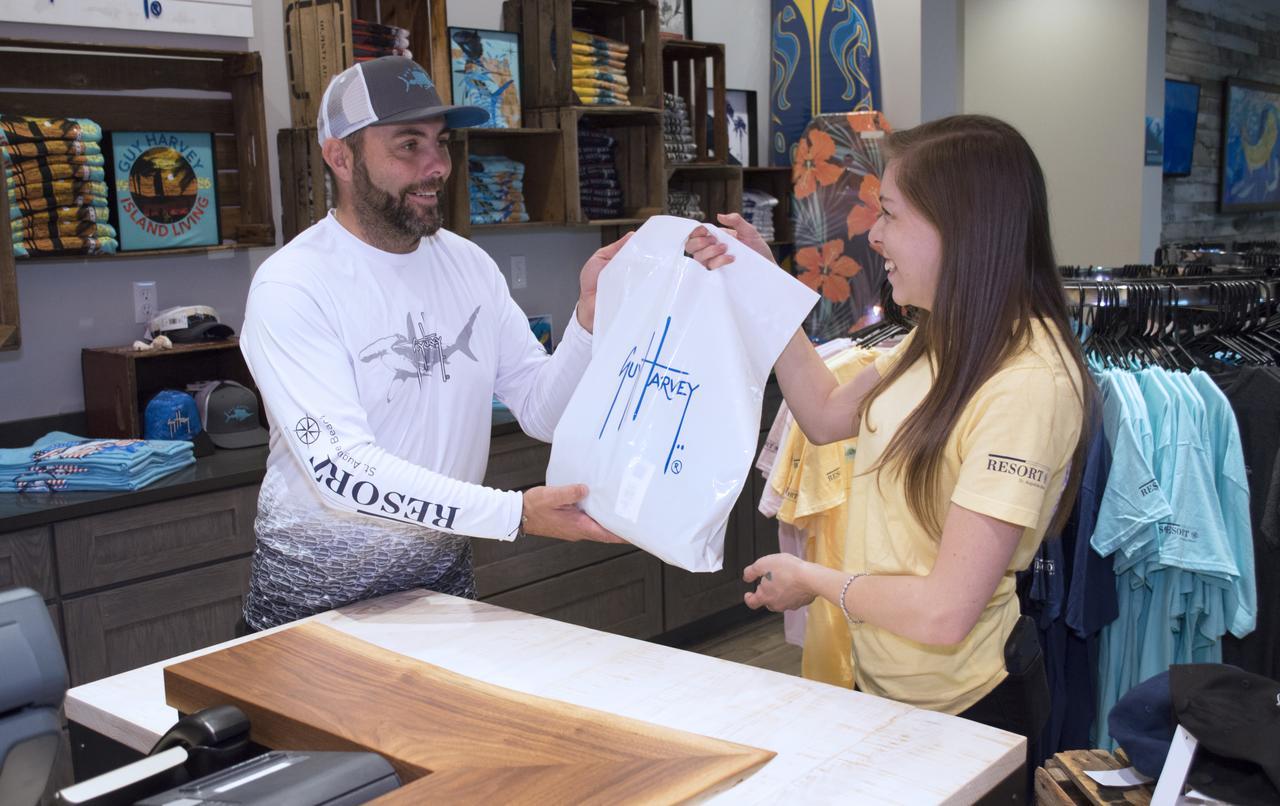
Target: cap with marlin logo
(390, 89)
(229, 412)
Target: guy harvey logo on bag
(662, 385)
(1027, 472)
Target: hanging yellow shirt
(813, 482)
(1008, 458)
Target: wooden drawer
(689, 597)
(122, 629)
(622, 596)
(517, 462)
(501, 565)
(26, 561)
(129, 544)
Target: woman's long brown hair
(976, 180)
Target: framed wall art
(485, 67)
(1250, 147)
(1181, 108)
(165, 189)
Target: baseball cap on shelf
(390, 89)
(189, 324)
(229, 412)
(1235, 716)
(173, 415)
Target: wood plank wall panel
(1206, 41)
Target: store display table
(831, 745)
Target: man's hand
(705, 248)
(589, 279)
(553, 512)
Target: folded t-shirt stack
(57, 186)
(497, 190)
(677, 134)
(686, 204)
(371, 40)
(598, 186)
(600, 70)
(63, 462)
(758, 208)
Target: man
(378, 340)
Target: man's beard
(390, 219)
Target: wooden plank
(257, 224)
(225, 153)
(450, 737)
(1076, 762)
(228, 184)
(144, 50)
(10, 331)
(126, 112)
(42, 69)
(437, 49)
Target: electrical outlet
(519, 272)
(144, 302)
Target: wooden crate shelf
(719, 187)
(546, 34)
(638, 160)
(777, 183)
(305, 197)
(543, 154)
(81, 78)
(120, 381)
(687, 67)
(318, 45)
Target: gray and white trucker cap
(390, 89)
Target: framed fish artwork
(1250, 147)
(485, 68)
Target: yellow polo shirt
(1008, 458)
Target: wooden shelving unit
(689, 69)
(776, 181)
(59, 79)
(541, 151)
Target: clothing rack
(1208, 287)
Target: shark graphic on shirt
(416, 354)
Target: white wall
(898, 35)
(1072, 76)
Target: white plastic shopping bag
(664, 424)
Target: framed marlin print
(165, 189)
(485, 67)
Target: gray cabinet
(133, 625)
(502, 565)
(136, 585)
(26, 561)
(688, 597)
(145, 541)
(622, 595)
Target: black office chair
(32, 685)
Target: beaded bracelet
(843, 591)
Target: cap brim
(456, 117)
(240, 439)
(207, 331)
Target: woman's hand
(710, 252)
(784, 583)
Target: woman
(970, 431)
